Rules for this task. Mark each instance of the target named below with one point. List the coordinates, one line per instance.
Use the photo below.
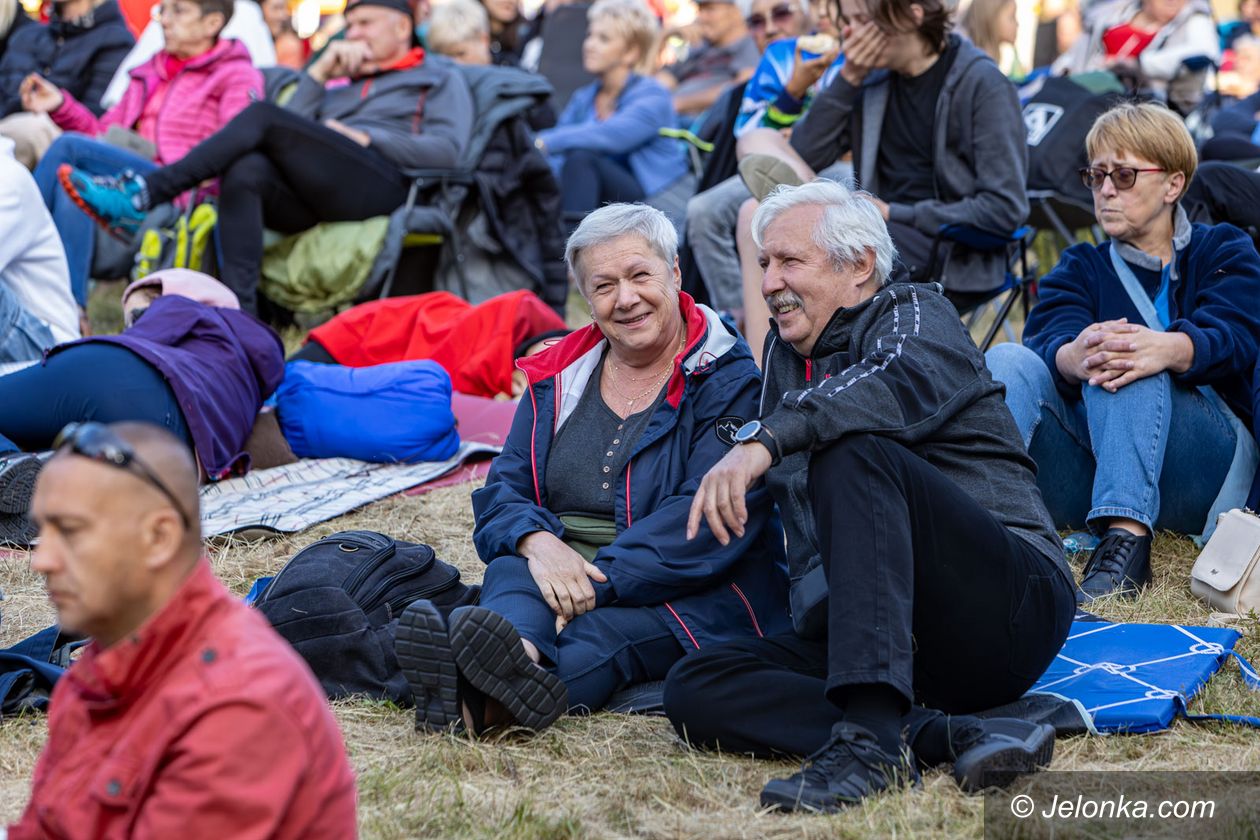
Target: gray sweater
(418, 118)
(980, 155)
(901, 366)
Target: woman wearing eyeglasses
(1134, 387)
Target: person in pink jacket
(178, 98)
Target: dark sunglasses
(1122, 177)
(96, 441)
(780, 14)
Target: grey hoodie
(980, 155)
(900, 366)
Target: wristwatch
(754, 431)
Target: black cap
(397, 5)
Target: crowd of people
(773, 472)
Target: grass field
(611, 776)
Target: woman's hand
(1099, 337)
(864, 48)
(807, 71)
(563, 576)
(40, 96)
(721, 497)
(1142, 352)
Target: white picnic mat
(314, 490)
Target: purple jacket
(221, 364)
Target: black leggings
(590, 180)
(282, 171)
(929, 594)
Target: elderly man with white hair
(927, 578)
(591, 585)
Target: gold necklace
(651, 388)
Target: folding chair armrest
(687, 137)
(982, 240)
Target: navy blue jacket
(20, 21)
(1215, 301)
(78, 56)
(706, 592)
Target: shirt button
(609, 453)
(113, 788)
(622, 426)
(616, 441)
(208, 655)
(607, 469)
(605, 485)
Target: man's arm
(825, 134)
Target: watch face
(748, 431)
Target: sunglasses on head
(1122, 177)
(779, 14)
(97, 442)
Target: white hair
(455, 21)
(849, 227)
(613, 220)
(745, 7)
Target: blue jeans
(1154, 451)
(23, 337)
(78, 231)
(598, 653)
(94, 381)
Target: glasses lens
(782, 12)
(756, 21)
(1092, 178)
(1124, 177)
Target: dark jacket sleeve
(999, 202)
(506, 509)
(102, 66)
(444, 132)
(1223, 323)
(1067, 303)
(652, 561)
(918, 366)
(826, 133)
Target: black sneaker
(425, 657)
(849, 768)
(18, 471)
(490, 656)
(1120, 565)
(993, 752)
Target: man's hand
(40, 96)
(343, 58)
(721, 497)
(360, 137)
(1140, 353)
(563, 577)
(864, 48)
(807, 71)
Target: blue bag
(1138, 677)
(398, 412)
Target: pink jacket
(200, 99)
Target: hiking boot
(490, 656)
(424, 655)
(18, 471)
(849, 768)
(762, 173)
(993, 752)
(115, 203)
(1120, 565)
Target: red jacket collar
(414, 58)
(578, 343)
(109, 677)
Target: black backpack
(337, 602)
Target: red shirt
(204, 723)
(1124, 41)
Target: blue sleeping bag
(398, 412)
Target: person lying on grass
(590, 585)
(928, 581)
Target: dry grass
(610, 776)
(615, 776)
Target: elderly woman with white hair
(927, 579)
(591, 585)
